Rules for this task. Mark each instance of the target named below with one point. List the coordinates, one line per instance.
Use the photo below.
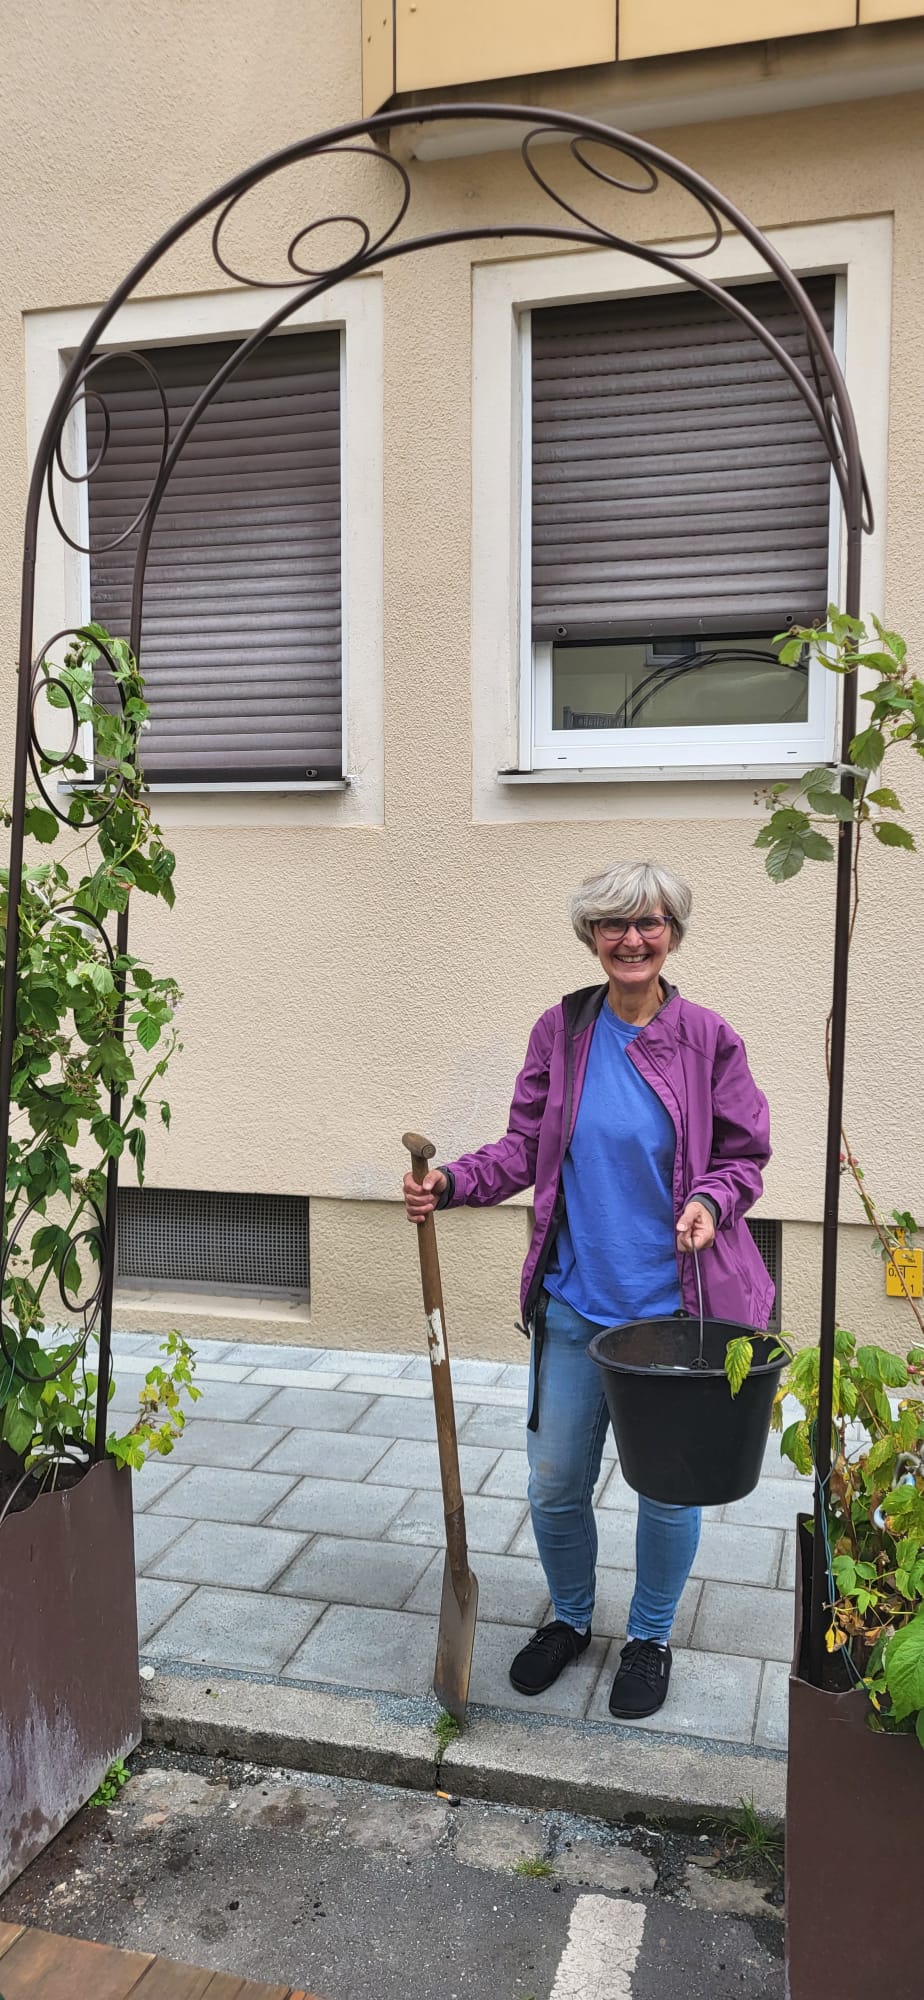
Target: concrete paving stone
(296, 1378)
(325, 1454)
(154, 1533)
(463, 1370)
(614, 1595)
(353, 1572)
(505, 1429)
(510, 1589)
(402, 1825)
(773, 1504)
(390, 1651)
(491, 1524)
(507, 1480)
(223, 1552)
(737, 1618)
(130, 1343)
(363, 1361)
(494, 1396)
(156, 1476)
(597, 1864)
(275, 1354)
(226, 1493)
(206, 1442)
(496, 1839)
(341, 1507)
(133, 1367)
(615, 1492)
(416, 1462)
(730, 1554)
(724, 1896)
(384, 1385)
(491, 1686)
(313, 1409)
(775, 1467)
(231, 1402)
(515, 1376)
(235, 1628)
(787, 1576)
(708, 1696)
(405, 1417)
(219, 1371)
(772, 1730)
(155, 1602)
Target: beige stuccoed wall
(343, 983)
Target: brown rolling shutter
(241, 636)
(679, 483)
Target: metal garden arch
(616, 160)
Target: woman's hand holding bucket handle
(695, 1227)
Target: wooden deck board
(8, 1935)
(37, 1965)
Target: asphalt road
(361, 1891)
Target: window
(241, 635)
(680, 518)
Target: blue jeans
(564, 1464)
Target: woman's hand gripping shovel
(459, 1606)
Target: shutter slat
(676, 474)
(242, 620)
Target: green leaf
(816, 846)
(868, 749)
(739, 1355)
(785, 859)
(891, 834)
(18, 1429)
(41, 824)
(834, 803)
(821, 779)
(904, 1669)
(148, 1031)
(885, 797)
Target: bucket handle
(700, 1363)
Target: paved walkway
(296, 1533)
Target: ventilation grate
(768, 1237)
(229, 1242)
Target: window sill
(282, 787)
(647, 774)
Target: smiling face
(633, 952)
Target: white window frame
(512, 748)
(62, 595)
(680, 746)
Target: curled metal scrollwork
(87, 1309)
(98, 803)
(368, 249)
(81, 393)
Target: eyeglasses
(615, 928)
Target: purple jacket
(698, 1067)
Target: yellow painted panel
(889, 10)
(378, 53)
(664, 27)
(466, 41)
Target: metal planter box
(854, 1813)
(69, 1692)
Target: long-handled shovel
(459, 1605)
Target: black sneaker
(549, 1651)
(641, 1685)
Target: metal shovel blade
(455, 1645)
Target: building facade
(468, 586)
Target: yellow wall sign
(911, 1265)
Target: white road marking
(604, 1941)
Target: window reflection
(676, 683)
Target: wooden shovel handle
(422, 1152)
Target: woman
(638, 1121)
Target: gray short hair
(628, 889)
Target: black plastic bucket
(682, 1437)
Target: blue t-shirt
(615, 1257)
